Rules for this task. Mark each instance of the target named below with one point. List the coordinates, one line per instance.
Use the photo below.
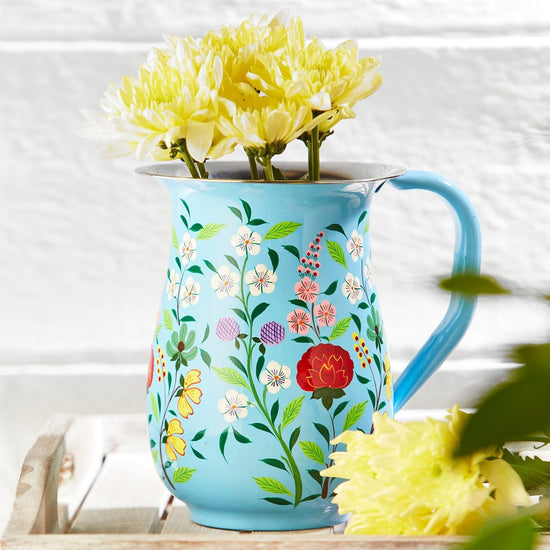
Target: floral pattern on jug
(331, 325)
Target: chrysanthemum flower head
(403, 479)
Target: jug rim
(237, 171)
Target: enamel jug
(270, 339)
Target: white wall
(84, 241)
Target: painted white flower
(246, 241)
(233, 405)
(225, 282)
(190, 292)
(355, 245)
(351, 288)
(369, 273)
(275, 377)
(173, 284)
(187, 249)
(261, 280)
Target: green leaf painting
(271, 485)
(209, 230)
(182, 475)
(336, 253)
(231, 376)
(280, 230)
(313, 451)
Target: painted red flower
(324, 366)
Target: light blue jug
(270, 340)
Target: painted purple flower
(227, 329)
(272, 333)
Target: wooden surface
(89, 483)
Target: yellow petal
(174, 427)
(194, 394)
(199, 139)
(192, 377)
(184, 407)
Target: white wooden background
(84, 241)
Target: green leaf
(534, 472)
(199, 435)
(231, 376)
(258, 310)
(236, 211)
(323, 430)
(247, 209)
(280, 230)
(515, 409)
(362, 379)
(210, 266)
(209, 230)
(472, 284)
(187, 319)
(270, 485)
(237, 362)
(513, 532)
(261, 427)
(354, 415)
(291, 412)
(361, 217)
(184, 220)
(260, 365)
(340, 328)
(336, 253)
(274, 257)
(167, 316)
(337, 227)
(292, 249)
(206, 333)
(311, 497)
(313, 451)
(186, 206)
(299, 303)
(275, 463)
(222, 441)
(363, 305)
(294, 438)
(232, 261)
(175, 238)
(196, 227)
(274, 411)
(304, 340)
(195, 269)
(316, 476)
(372, 398)
(331, 288)
(178, 262)
(240, 313)
(206, 357)
(256, 221)
(154, 407)
(367, 225)
(279, 501)
(240, 437)
(357, 321)
(340, 408)
(197, 454)
(182, 475)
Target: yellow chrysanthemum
(266, 123)
(174, 96)
(403, 480)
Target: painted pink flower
(299, 321)
(307, 290)
(325, 313)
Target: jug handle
(467, 259)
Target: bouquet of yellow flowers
(258, 85)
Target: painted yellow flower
(174, 443)
(403, 480)
(190, 393)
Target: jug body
(270, 342)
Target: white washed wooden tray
(89, 482)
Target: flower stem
(268, 170)
(314, 145)
(189, 160)
(253, 166)
(202, 170)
